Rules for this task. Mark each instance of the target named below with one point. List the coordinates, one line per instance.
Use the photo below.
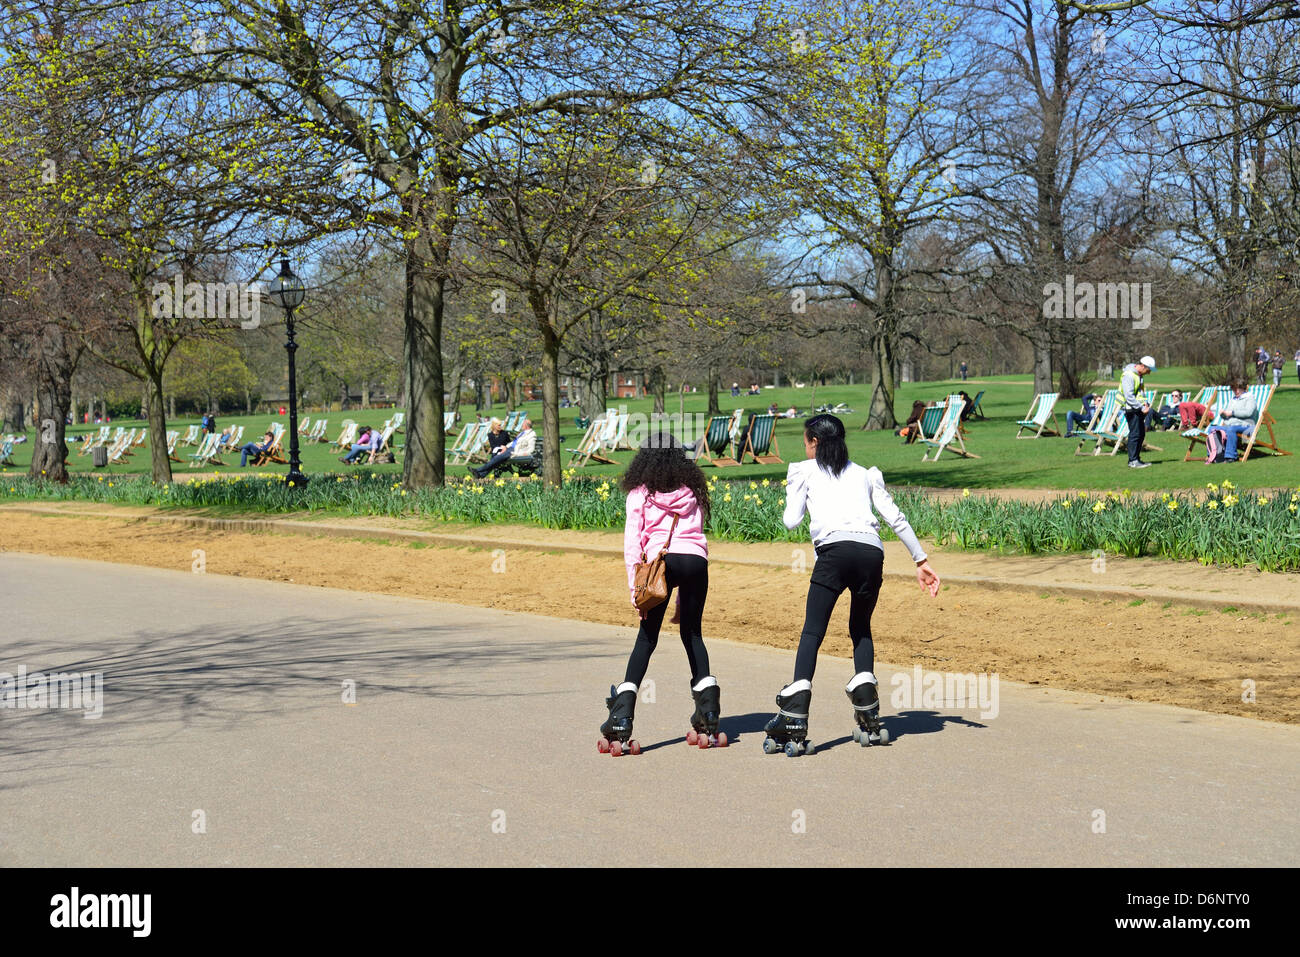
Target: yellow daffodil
(727, 497)
(1065, 504)
(1099, 507)
(1262, 500)
(1214, 505)
(1172, 506)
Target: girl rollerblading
(839, 497)
(667, 509)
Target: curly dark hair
(661, 465)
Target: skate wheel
(615, 748)
(791, 749)
(634, 747)
(722, 739)
(703, 740)
(692, 738)
(884, 735)
(602, 746)
(808, 748)
(864, 740)
(857, 734)
(770, 746)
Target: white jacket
(842, 507)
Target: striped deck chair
(619, 438)
(948, 434)
(590, 446)
(1263, 396)
(931, 418)
(448, 423)
(1103, 420)
(712, 446)
(317, 433)
(207, 452)
(1045, 404)
(459, 444)
(975, 405)
(120, 451)
(172, 437)
(304, 427)
(398, 420)
(139, 439)
(760, 441)
(91, 440)
(7, 452)
(1118, 433)
(191, 435)
(472, 440)
(346, 437)
(513, 420)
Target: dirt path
(1145, 650)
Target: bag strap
(672, 529)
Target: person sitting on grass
(521, 447)
(366, 443)
(256, 450)
(912, 429)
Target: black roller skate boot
(616, 732)
(788, 729)
(865, 696)
(704, 722)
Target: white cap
(1149, 362)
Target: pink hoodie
(657, 512)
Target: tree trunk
(160, 465)
(658, 386)
(423, 462)
(54, 367)
(1237, 347)
(551, 471)
(1069, 385)
(714, 408)
(1042, 342)
(880, 414)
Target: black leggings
(690, 573)
(840, 565)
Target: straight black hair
(832, 451)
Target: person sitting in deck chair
(1239, 416)
(521, 447)
(1085, 417)
(253, 449)
(1165, 417)
(366, 443)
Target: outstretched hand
(928, 579)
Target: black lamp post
(288, 291)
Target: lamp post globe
(288, 292)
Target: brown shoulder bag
(650, 579)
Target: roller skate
(864, 694)
(616, 732)
(788, 729)
(704, 722)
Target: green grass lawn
(1004, 461)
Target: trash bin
(100, 456)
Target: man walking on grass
(1135, 408)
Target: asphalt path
(247, 722)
